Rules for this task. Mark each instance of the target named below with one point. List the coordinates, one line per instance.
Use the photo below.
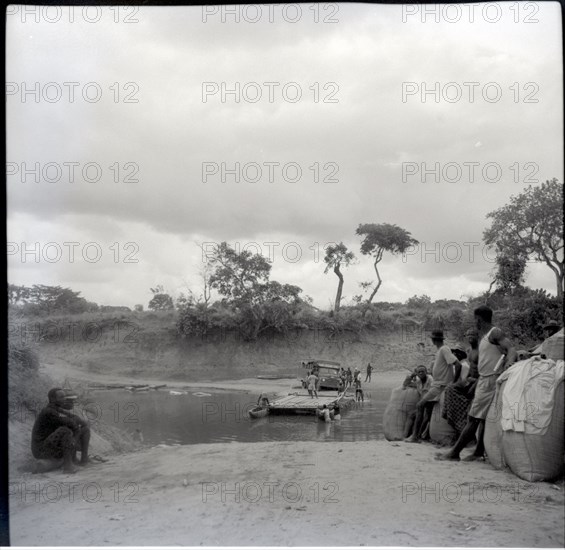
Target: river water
(216, 416)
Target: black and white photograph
(284, 275)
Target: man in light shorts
(312, 382)
(493, 344)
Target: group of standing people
(489, 355)
(349, 379)
(346, 379)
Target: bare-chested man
(496, 353)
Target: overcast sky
(148, 135)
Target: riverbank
(371, 493)
(109, 438)
(62, 370)
(286, 494)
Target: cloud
(352, 149)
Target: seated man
(58, 433)
(420, 380)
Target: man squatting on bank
(58, 433)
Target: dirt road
(319, 494)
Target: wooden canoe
(258, 412)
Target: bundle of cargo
(553, 346)
(493, 431)
(524, 428)
(399, 413)
(441, 431)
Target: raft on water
(302, 403)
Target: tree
(194, 310)
(44, 297)
(50, 299)
(92, 306)
(161, 301)
(204, 273)
(17, 294)
(276, 292)
(365, 287)
(40, 299)
(69, 301)
(381, 238)
(509, 273)
(243, 281)
(521, 314)
(419, 302)
(335, 256)
(238, 277)
(531, 226)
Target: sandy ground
(62, 370)
(371, 493)
(316, 494)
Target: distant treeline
(521, 313)
(254, 305)
(52, 300)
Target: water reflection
(202, 417)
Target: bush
(419, 302)
(522, 314)
(26, 387)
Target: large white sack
(401, 407)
